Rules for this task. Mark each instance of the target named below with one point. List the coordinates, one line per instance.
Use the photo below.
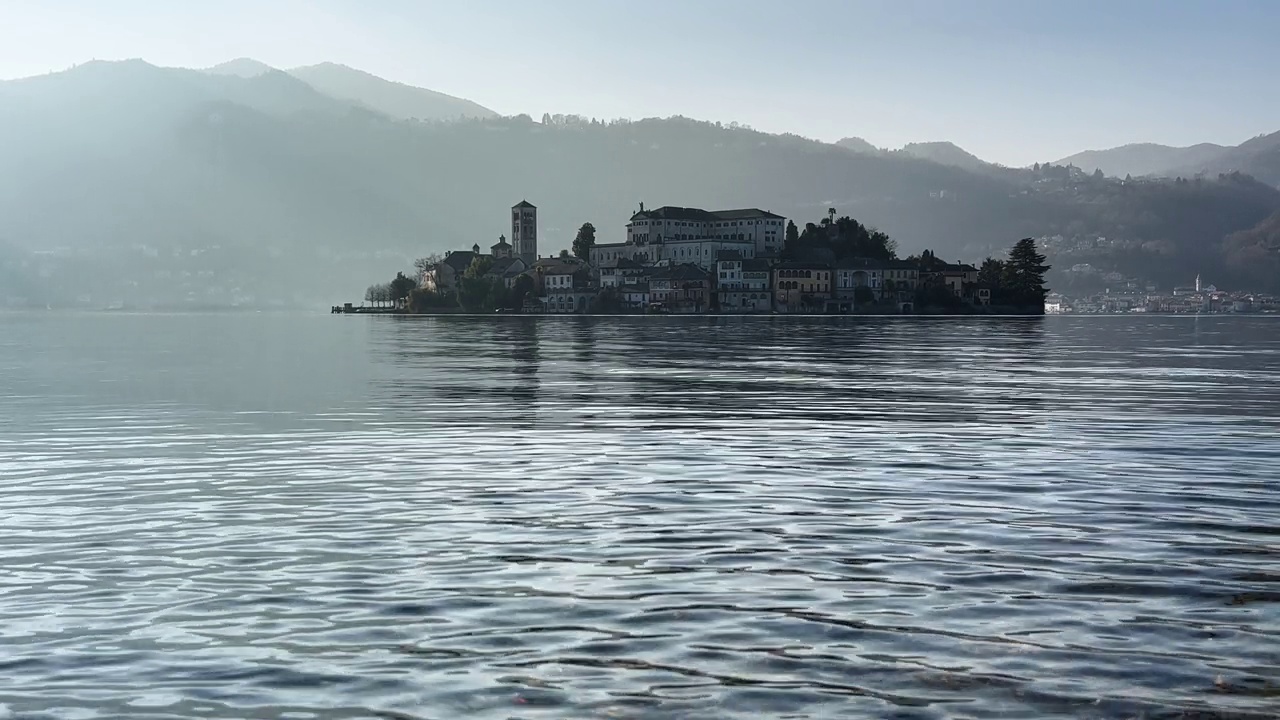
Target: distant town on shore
(681, 260)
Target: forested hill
(147, 185)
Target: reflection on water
(252, 516)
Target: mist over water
(255, 515)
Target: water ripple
(315, 517)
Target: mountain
(241, 67)
(155, 186)
(397, 100)
(1259, 157)
(1255, 253)
(945, 153)
(1140, 159)
(858, 145)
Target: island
(683, 260)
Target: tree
(1097, 174)
(793, 233)
(607, 302)
(426, 267)
(991, 275)
(475, 291)
(584, 241)
(400, 287)
(371, 295)
(520, 291)
(1023, 281)
(564, 253)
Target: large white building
(524, 232)
(765, 230)
(691, 235)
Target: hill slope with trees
(172, 185)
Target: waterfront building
(901, 276)
(742, 284)
(682, 288)
(634, 296)
(624, 271)
(854, 273)
(801, 286)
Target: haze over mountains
(1259, 157)
(242, 184)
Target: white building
(765, 231)
(524, 232)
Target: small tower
(524, 232)
(476, 248)
(1197, 283)
(501, 249)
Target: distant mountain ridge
(946, 153)
(394, 99)
(1259, 157)
(349, 85)
(132, 183)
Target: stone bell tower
(524, 232)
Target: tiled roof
(635, 288)
(460, 260)
(685, 272)
(507, 266)
(755, 265)
(900, 265)
(728, 255)
(859, 264)
(801, 265)
(671, 212)
(745, 214)
(524, 204)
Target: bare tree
(427, 268)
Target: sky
(1013, 81)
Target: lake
(314, 516)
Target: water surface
(288, 516)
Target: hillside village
(689, 261)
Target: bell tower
(524, 232)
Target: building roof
(680, 273)
(634, 288)
(900, 265)
(745, 213)
(728, 255)
(626, 263)
(755, 265)
(672, 212)
(460, 260)
(507, 266)
(558, 267)
(859, 263)
(802, 265)
(502, 241)
(524, 204)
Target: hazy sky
(1014, 81)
